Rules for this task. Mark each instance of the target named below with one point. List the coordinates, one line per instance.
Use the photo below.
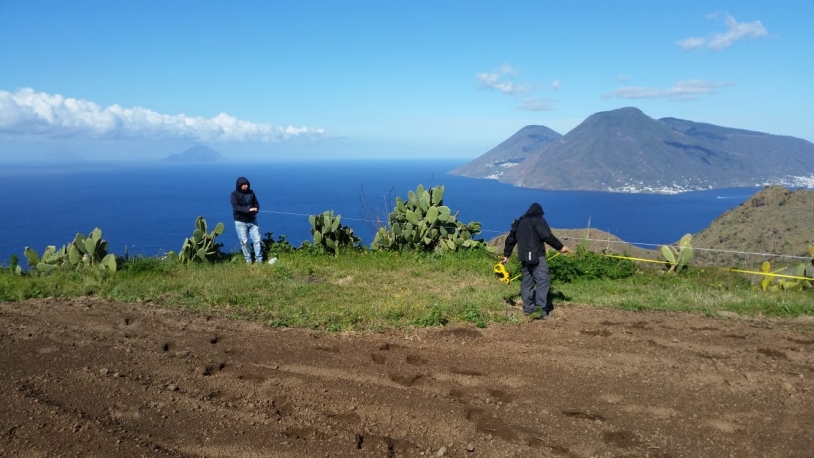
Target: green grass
(696, 290)
(368, 291)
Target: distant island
(625, 150)
(195, 154)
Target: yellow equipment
(503, 275)
(506, 277)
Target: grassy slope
(774, 220)
(371, 291)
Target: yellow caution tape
(769, 274)
(635, 259)
(731, 270)
(505, 276)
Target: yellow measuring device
(506, 277)
(503, 274)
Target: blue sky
(266, 80)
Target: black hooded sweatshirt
(242, 201)
(529, 232)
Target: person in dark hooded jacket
(244, 209)
(530, 233)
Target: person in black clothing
(244, 209)
(530, 232)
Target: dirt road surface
(93, 378)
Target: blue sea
(150, 209)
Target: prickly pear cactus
(422, 222)
(783, 282)
(766, 268)
(329, 233)
(83, 252)
(201, 247)
(678, 258)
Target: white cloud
(26, 112)
(691, 43)
(556, 84)
(497, 81)
(719, 41)
(536, 104)
(621, 78)
(682, 90)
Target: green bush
(140, 265)
(273, 248)
(13, 266)
(587, 265)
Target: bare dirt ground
(93, 378)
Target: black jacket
(243, 201)
(529, 233)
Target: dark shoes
(536, 315)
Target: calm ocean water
(152, 208)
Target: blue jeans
(534, 287)
(244, 231)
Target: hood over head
(535, 209)
(240, 182)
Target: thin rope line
(303, 214)
(714, 250)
